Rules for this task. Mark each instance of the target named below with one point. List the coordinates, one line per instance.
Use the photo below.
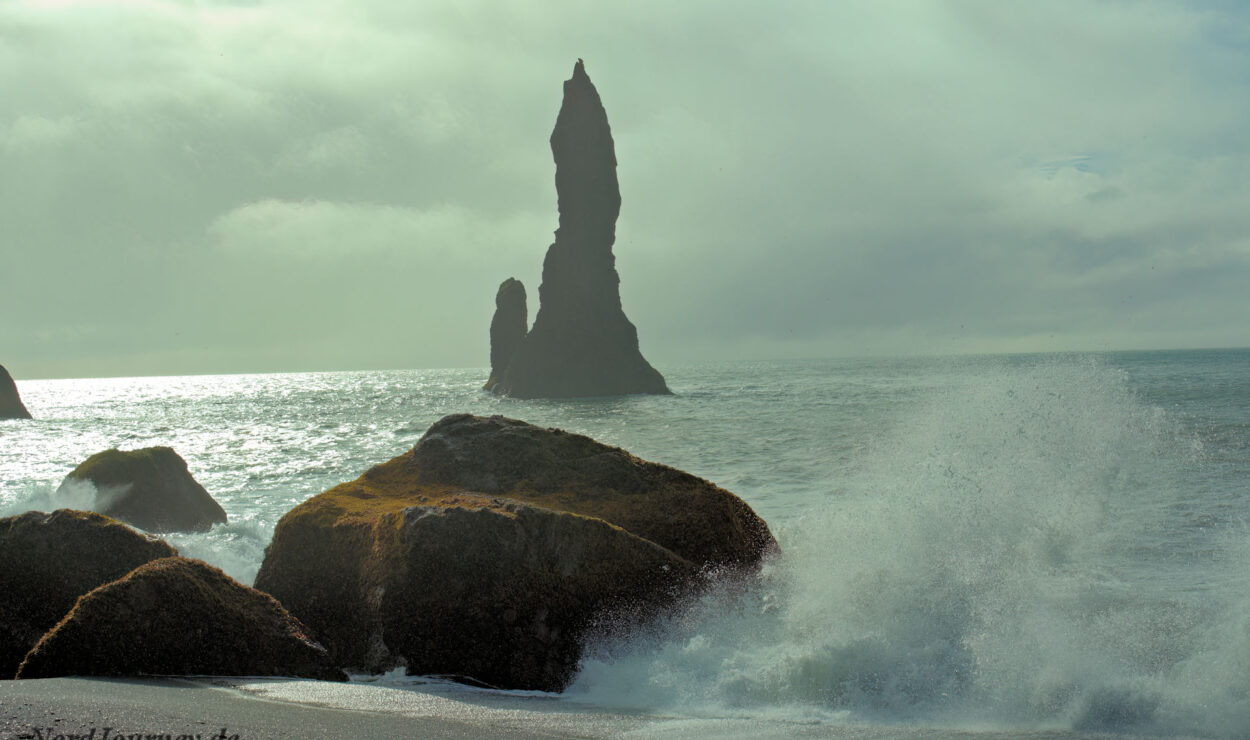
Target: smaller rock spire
(507, 329)
(11, 406)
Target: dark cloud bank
(303, 186)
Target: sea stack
(507, 328)
(11, 406)
(581, 343)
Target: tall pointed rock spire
(581, 343)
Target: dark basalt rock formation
(493, 549)
(498, 456)
(11, 406)
(48, 560)
(178, 617)
(507, 328)
(581, 343)
(149, 488)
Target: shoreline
(232, 708)
(204, 709)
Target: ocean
(1032, 545)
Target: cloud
(312, 229)
(27, 133)
(815, 178)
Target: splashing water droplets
(980, 565)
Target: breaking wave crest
(1012, 552)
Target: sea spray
(237, 547)
(70, 494)
(1209, 686)
(1072, 554)
(983, 563)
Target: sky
(301, 185)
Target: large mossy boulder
(150, 488)
(48, 560)
(11, 406)
(494, 548)
(180, 617)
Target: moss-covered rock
(150, 488)
(491, 550)
(48, 560)
(569, 472)
(11, 406)
(177, 616)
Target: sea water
(1055, 545)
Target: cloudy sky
(202, 187)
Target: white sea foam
(974, 544)
(237, 547)
(988, 562)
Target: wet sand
(204, 709)
(263, 708)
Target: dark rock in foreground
(11, 406)
(507, 328)
(149, 488)
(581, 344)
(688, 515)
(48, 560)
(177, 616)
(492, 549)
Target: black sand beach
(118, 708)
(263, 708)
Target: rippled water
(1014, 542)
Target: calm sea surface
(1045, 544)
